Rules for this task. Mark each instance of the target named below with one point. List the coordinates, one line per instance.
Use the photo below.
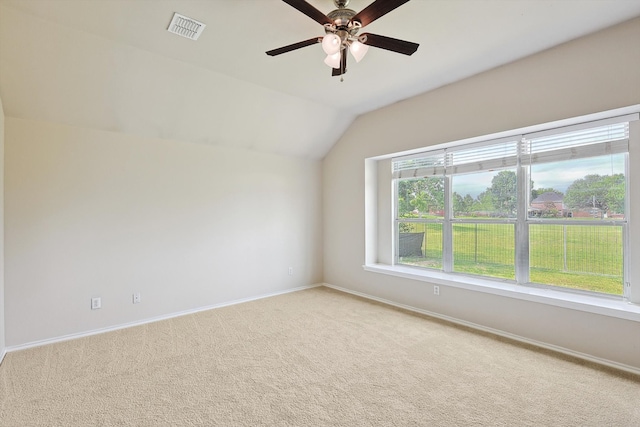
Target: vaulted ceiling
(111, 64)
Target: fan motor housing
(341, 19)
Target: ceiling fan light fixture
(341, 27)
(331, 44)
(358, 50)
(333, 61)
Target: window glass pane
(484, 195)
(587, 257)
(484, 249)
(420, 244)
(591, 188)
(421, 198)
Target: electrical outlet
(436, 290)
(136, 298)
(290, 271)
(96, 303)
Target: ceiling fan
(341, 27)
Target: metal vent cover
(186, 27)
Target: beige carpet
(310, 358)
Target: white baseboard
(558, 349)
(4, 353)
(149, 320)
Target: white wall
(58, 74)
(94, 213)
(2, 327)
(592, 74)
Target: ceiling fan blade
(343, 65)
(376, 9)
(388, 43)
(294, 46)
(310, 11)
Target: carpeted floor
(317, 357)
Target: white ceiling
(111, 64)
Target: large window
(540, 209)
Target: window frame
(522, 222)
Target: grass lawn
(576, 256)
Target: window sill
(592, 304)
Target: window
(540, 209)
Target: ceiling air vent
(186, 27)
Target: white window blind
(419, 165)
(609, 136)
(567, 144)
(495, 154)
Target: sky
(557, 175)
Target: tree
(423, 195)
(429, 195)
(458, 203)
(462, 205)
(504, 192)
(404, 197)
(550, 210)
(604, 192)
(468, 203)
(484, 202)
(420, 202)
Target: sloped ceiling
(111, 64)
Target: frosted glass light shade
(333, 61)
(331, 44)
(358, 50)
